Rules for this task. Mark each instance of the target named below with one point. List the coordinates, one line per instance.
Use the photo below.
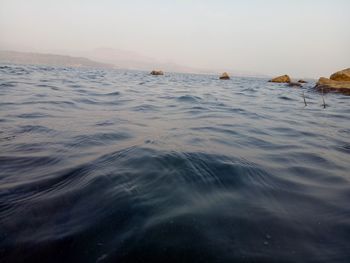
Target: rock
(281, 79)
(339, 82)
(327, 85)
(294, 84)
(302, 81)
(224, 76)
(157, 72)
(343, 75)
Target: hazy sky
(306, 38)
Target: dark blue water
(121, 166)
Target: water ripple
(120, 166)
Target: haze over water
(305, 39)
(121, 166)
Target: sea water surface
(121, 166)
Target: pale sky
(306, 38)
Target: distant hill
(110, 58)
(132, 60)
(49, 59)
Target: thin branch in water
(324, 102)
(304, 98)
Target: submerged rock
(281, 79)
(327, 85)
(157, 72)
(343, 75)
(302, 81)
(294, 84)
(224, 76)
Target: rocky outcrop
(302, 81)
(157, 72)
(327, 85)
(343, 75)
(224, 76)
(338, 82)
(281, 79)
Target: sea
(121, 166)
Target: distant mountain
(110, 58)
(133, 60)
(49, 59)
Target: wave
(118, 166)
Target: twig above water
(304, 98)
(324, 102)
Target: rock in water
(224, 76)
(281, 79)
(327, 85)
(302, 81)
(157, 72)
(339, 82)
(343, 75)
(294, 84)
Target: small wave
(47, 68)
(33, 115)
(87, 101)
(21, 164)
(189, 98)
(198, 108)
(34, 129)
(8, 85)
(217, 130)
(98, 139)
(105, 123)
(344, 148)
(50, 102)
(15, 70)
(48, 86)
(116, 93)
(145, 108)
(285, 98)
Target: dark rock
(224, 76)
(294, 84)
(157, 72)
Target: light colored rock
(327, 85)
(343, 75)
(281, 79)
(157, 72)
(224, 76)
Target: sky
(304, 38)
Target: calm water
(121, 166)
